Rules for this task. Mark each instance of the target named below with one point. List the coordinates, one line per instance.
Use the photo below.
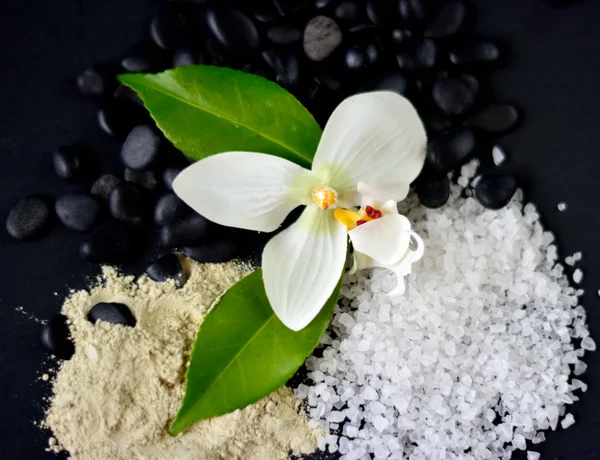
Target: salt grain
(562, 206)
(577, 276)
(473, 361)
(498, 155)
(567, 421)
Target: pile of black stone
(322, 51)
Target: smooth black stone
(28, 218)
(168, 29)
(450, 149)
(327, 79)
(439, 124)
(382, 12)
(218, 55)
(322, 36)
(78, 211)
(452, 96)
(233, 29)
(496, 118)
(111, 312)
(264, 11)
(144, 179)
(56, 337)
(471, 82)
(401, 36)
(188, 56)
(92, 83)
(110, 243)
(118, 117)
(284, 35)
(395, 82)
(288, 6)
(187, 231)
(320, 4)
(69, 164)
(141, 61)
(127, 203)
(433, 192)
(285, 65)
(169, 176)
(125, 93)
(411, 11)
(141, 147)
(169, 209)
(448, 21)
(422, 56)
(349, 12)
(212, 252)
(476, 52)
(494, 191)
(104, 185)
(167, 268)
(361, 56)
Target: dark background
(554, 75)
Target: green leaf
(243, 352)
(204, 110)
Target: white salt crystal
(567, 421)
(380, 423)
(531, 455)
(577, 256)
(577, 276)
(498, 155)
(588, 344)
(562, 206)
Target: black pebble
(285, 65)
(382, 12)
(322, 36)
(476, 52)
(349, 12)
(168, 29)
(141, 147)
(496, 118)
(56, 337)
(284, 35)
(127, 203)
(145, 179)
(453, 96)
(143, 60)
(69, 164)
(450, 149)
(265, 12)
(411, 11)
(92, 82)
(212, 252)
(28, 218)
(421, 56)
(233, 29)
(78, 211)
(188, 56)
(167, 268)
(388, 82)
(401, 36)
(104, 185)
(169, 176)
(111, 312)
(494, 191)
(448, 21)
(433, 191)
(187, 231)
(288, 6)
(361, 56)
(169, 209)
(110, 243)
(118, 117)
(125, 93)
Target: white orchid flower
(373, 141)
(381, 237)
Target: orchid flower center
(325, 197)
(353, 219)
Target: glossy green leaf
(204, 110)
(243, 352)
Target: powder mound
(472, 362)
(116, 396)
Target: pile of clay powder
(117, 395)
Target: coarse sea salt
(472, 361)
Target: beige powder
(116, 396)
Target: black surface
(554, 75)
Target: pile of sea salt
(472, 361)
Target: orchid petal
(247, 190)
(374, 137)
(302, 265)
(378, 195)
(385, 239)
